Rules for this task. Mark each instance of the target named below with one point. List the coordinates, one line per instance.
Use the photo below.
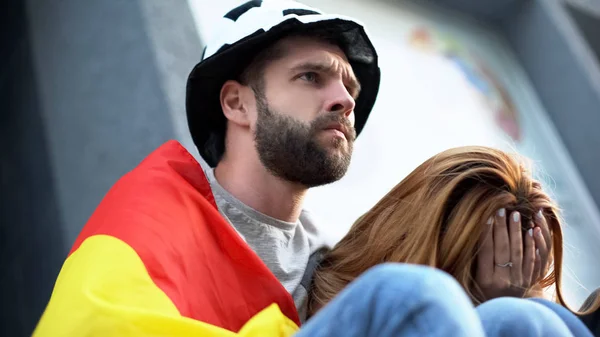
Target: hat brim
(203, 107)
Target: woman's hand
(507, 266)
(543, 244)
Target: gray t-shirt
(285, 247)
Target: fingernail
(516, 216)
(530, 232)
(538, 231)
(501, 212)
(539, 214)
(537, 252)
(490, 220)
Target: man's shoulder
(311, 224)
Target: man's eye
(310, 76)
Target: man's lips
(341, 129)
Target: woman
(473, 212)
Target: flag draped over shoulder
(156, 258)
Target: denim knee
(511, 316)
(416, 283)
(432, 300)
(396, 299)
(431, 280)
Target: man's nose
(340, 100)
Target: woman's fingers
(545, 231)
(485, 256)
(541, 258)
(528, 257)
(516, 249)
(501, 248)
(541, 222)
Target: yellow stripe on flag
(104, 290)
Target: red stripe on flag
(164, 209)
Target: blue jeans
(410, 300)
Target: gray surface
(31, 244)
(563, 82)
(103, 105)
(561, 65)
(587, 21)
(177, 49)
(89, 89)
(489, 11)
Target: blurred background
(89, 88)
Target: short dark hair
(253, 74)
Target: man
(274, 107)
(281, 124)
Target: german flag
(156, 258)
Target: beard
(290, 149)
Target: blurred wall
(548, 40)
(558, 44)
(91, 88)
(32, 244)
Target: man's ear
(233, 102)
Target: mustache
(326, 119)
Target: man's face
(304, 129)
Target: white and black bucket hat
(250, 28)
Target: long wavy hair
(435, 216)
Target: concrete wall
(102, 104)
(91, 88)
(487, 11)
(558, 45)
(566, 74)
(32, 245)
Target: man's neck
(258, 188)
